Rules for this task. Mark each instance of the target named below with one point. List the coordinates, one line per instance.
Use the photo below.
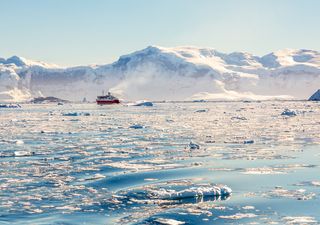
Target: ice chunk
(23, 153)
(71, 114)
(238, 118)
(299, 220)
(193, 145)
(248, 207)
(193, 192)
(200, 100)
(136, 126)
(309, 183)
(238, 216)
(19, 142)
(10, 106)
(168, 221)
(288, 112)
(97, 176)
(76, 114)
(202, 110)
(142, 103)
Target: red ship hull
(108, 102)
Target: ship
(107, 99)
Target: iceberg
(76, 114)
(288, 112)
(10, 106)
(315, 96)
(142, 103)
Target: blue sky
(74, 32)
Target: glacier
(160, 73)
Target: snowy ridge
(22, 62)
(179, 73)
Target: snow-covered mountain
(157, 73)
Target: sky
(81, 32)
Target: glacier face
(158, 73)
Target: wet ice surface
(87, 164)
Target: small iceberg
(288, 112)
(193, 192)
(202, 110)
(315, 96)
(193, 145)
(136, 126)
(19, 142)
(71, 114)
(238, 118)
(22, 153)
(165, 221)
(141, 103)
(199, 100)
(46, 100)
(10, 106)
(76, 114)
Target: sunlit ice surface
(89, 164)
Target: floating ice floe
(260, 171)
(299, 220)
(168, 221)
(71, 114)
(300, 194)
(201, 110)
(238, 118)
(22, 153)
(10, 106)
(277, 169)
(309, 183)
(193, 145)
(97, 176)
(248, 142)
(200, 100)
(141, 103)
(19, 142)
(194, 192)
(248, 207)
(76, 114)
(68, 207)
(288, 112)
(238, 216)
(136, 126)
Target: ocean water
(89, 164)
